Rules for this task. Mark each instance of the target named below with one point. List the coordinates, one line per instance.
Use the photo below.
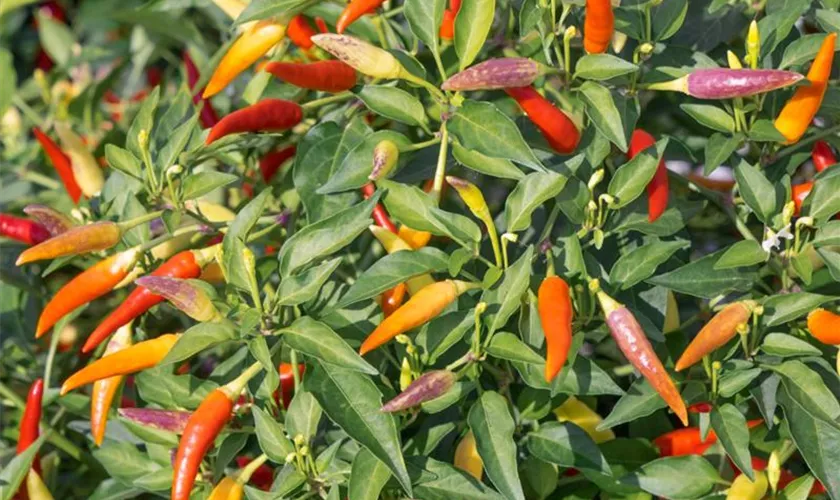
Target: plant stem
(440, 171)
(421, 145)
(806, 142)
(341, 96)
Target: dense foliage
(398, 277)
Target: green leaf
(264, 9)
(394, 103)
(601, 108)
(667, 18)
(197, 185)
(528, 195)
(424, 18)
(472, 25)
(442, 481)
(325, 237)
(122, 160)
(631, 179)
(272, 436)
(567, 445)
(761, 195)
(170, 391)
(803, 50)
(303, 416)
(367, 476)
(807, 388)
(456, 393)
(143, 121)
(829, 19)
(494, 167)
(354, 169)
(493, 427)
(832, 262)
(235, 241)
(710, 116)
(352, 401)
(508, 346)
(701, 279)
(780, 309)
(504, 300)
(742, 254)
(318, 340)
(828, 234)
(14, 472)
(123, 461)
(730, 426)
(733, 382)
(640, 263)
(824, 200)
(602, 67)
(718, 149)
(197, 339)
(305, 286)
(639, 401)
(783, 345)
(391, 270)
(765, 131)
(689, 476)
(56, 38)
(480, 126)
(8, 85)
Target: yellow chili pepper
(362, 56)
(393, 243)
(245, 51)
(744, 489)
(474, 199)
(467, 458)
(753, 45)
(415, 239)
(577, 412)
(75, 241)
(35, 487)
(105, 389)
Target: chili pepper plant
(431, 249)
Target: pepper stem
(549, 262)
(234, 388)
(244, 475)
(131, 223)
(678, 85)
(440, 171)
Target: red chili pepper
(700, 408)
(380, 215)
(262, 478)
(657, 188)
(822, 156)
(687, 441)
(322, 25)
(91, 284)
(392, 299)
(30, 421)
(598, 26)
(355, 10)
(300, 32)
(287, 383)
(447, 26)
(23, 230)
(208, 116)
(61, 163)
(557, 128)
(326, 76)
(184, 265)
(271, 162)
(555, 307)
(799, 192)
(266, 115)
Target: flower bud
(183, 294)
(753, 45)
(55, 221)
(732, 59)
(429, 386)
(774, 470)
(75, 241)
(165, 420)
(361, 56)
(495, 74)
(386, 154)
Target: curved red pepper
(354, 10)
(657, 188)
(266, 115)
(300, 32)
(327, 76)
(271, 162)
(557, 128)
(23, 230)
(823, 156)
(61, 163)
(380, 215)
(31, 420)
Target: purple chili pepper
(55, 221)
(496, 74)
(429, 386)
(165, 420)
(722, 83)
(186, 296)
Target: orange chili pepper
(598, 26)
(206, 422)
(130, 360)
(61, 163)
(326, 76)
(447, 26)
(687, 441)
(232, 487)
(824, 326)
(300, 32)
(555, 307)
(105, 389)
(91, 284)
(798, 193)
(266, 115)
(635, 346)
(422, 307)
(245, 51)
(467, 458)
(75, 241)
(415, 239)
(657, 188)
(392, 299)
(721, 329)
(801, 109)
(557, 128)
(355, 10)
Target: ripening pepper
(245, 51)
(503, 73)
(380, 215)
(724, 83)
(635, 346)
(187, 297)
(386, 154)
(428, 386)
(798, 193)
(422, 307)
(743, 488)
(126, 361)
(392, 299)
(300, 32)
(415, 239)
(164, 420)
(393, 243)
(657, 188)
(264, 116)
(86, 170)
(53, 221)
(91, 284)
(577, 412)
(824, 326)
(105, 389)
(326, 76)
(716, 333)
(75, 241)
(554, 303)
(687, 441)
(822, 156)
(361, 56)
(598, 26)
(557, 128)
(467, 458)
(473, 198)
(61, 163)
(447, 25)
(23, 230)
(35, 487)
(204, 425)
(354, 10)
(801, 109)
